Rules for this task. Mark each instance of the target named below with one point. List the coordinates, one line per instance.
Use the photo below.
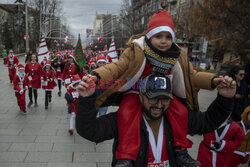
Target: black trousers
(59, 84)
(30, 94)
(48, 97)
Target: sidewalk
(40, 138)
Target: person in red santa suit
(44, 61)
(85, 71)
(48, 82)
(108, 58)
(153, 52)
(11, 61)
(58, 65)
(71, 68)
(241, 154)
(74, 96)
(21, 84)
(33, 69)
(216, 148)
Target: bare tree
(223, 22)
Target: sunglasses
(242, 74)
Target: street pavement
(40, 138)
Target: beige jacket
(132, 63)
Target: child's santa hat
(73, 56)
(47, 63)
(10, 51)
(20, 67)
(75, 79)
(160, 21)
(101, 58)
(105, 50)
(92, 62)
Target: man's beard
(148, 113)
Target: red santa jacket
(75, 95)
(34, 70)
(68, 74)
(231, 138)
(11, 62)
(21, 82)
(48, 76)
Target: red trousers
(236, 160)
(21, 100)
(129, 120)
(12, 72)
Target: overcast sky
(80, 14)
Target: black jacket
(106, 128)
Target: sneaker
(124, 163)
(30, 103)
(59, 93)
(36, 104)
(49, 100)
(184, 159)
(71, 131)
(46, 107)
(24, 111)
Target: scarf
(161, 61)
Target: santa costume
(33, 69)
(58, 65)
(216, 148)
(70, 69)
(48, 83)
(74, 96)
(241, 154)
(11, 61)
(21, 83)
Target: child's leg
(17, 98)
(177, 115)
(46, 99)
(59, 84)
(129, 119)
(30, 94)
(22, 102)
(50, 96)
(72, 121)
(35, 95)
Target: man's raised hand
(227, 87)
(87, 86)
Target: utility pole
(26, 26)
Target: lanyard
(157, 149)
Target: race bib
(30, 78)
(161, 164)
(45, 83)
(58, 69)
(75, 94)
(67, 81)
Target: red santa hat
(101, 58)
(75, 79)
(20, 67)
(73, 56)
(160, 21)
(105, 50)
(47, 63)
(92, 62)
